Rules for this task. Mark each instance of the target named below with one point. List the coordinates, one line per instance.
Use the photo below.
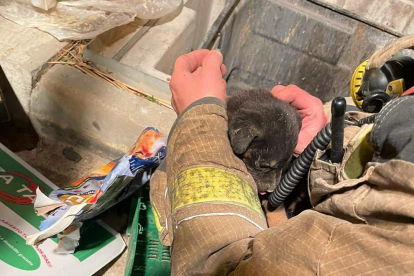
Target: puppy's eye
(266, 166)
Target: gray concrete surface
(394, 15)
(267, 42)
(148, 64)
(47, 158)
(91, 113)
(23, 54)
(173, 36)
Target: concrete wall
(89, 113)
(270, 42)
(395, 15)
(23, 54)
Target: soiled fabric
(209, 212)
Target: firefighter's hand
(197, 75)
(310, 109)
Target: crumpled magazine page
(65, 208)
(82, 19)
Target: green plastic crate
(146, 255)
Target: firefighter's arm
(215, 210)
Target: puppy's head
(266, 147)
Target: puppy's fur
(263, 132)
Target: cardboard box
(99, 244)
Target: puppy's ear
(241, 133)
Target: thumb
(275, 90)
(212, 63)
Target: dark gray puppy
(263, 132)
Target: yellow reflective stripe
(207, 184)
(157, 217)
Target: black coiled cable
(300, 166)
